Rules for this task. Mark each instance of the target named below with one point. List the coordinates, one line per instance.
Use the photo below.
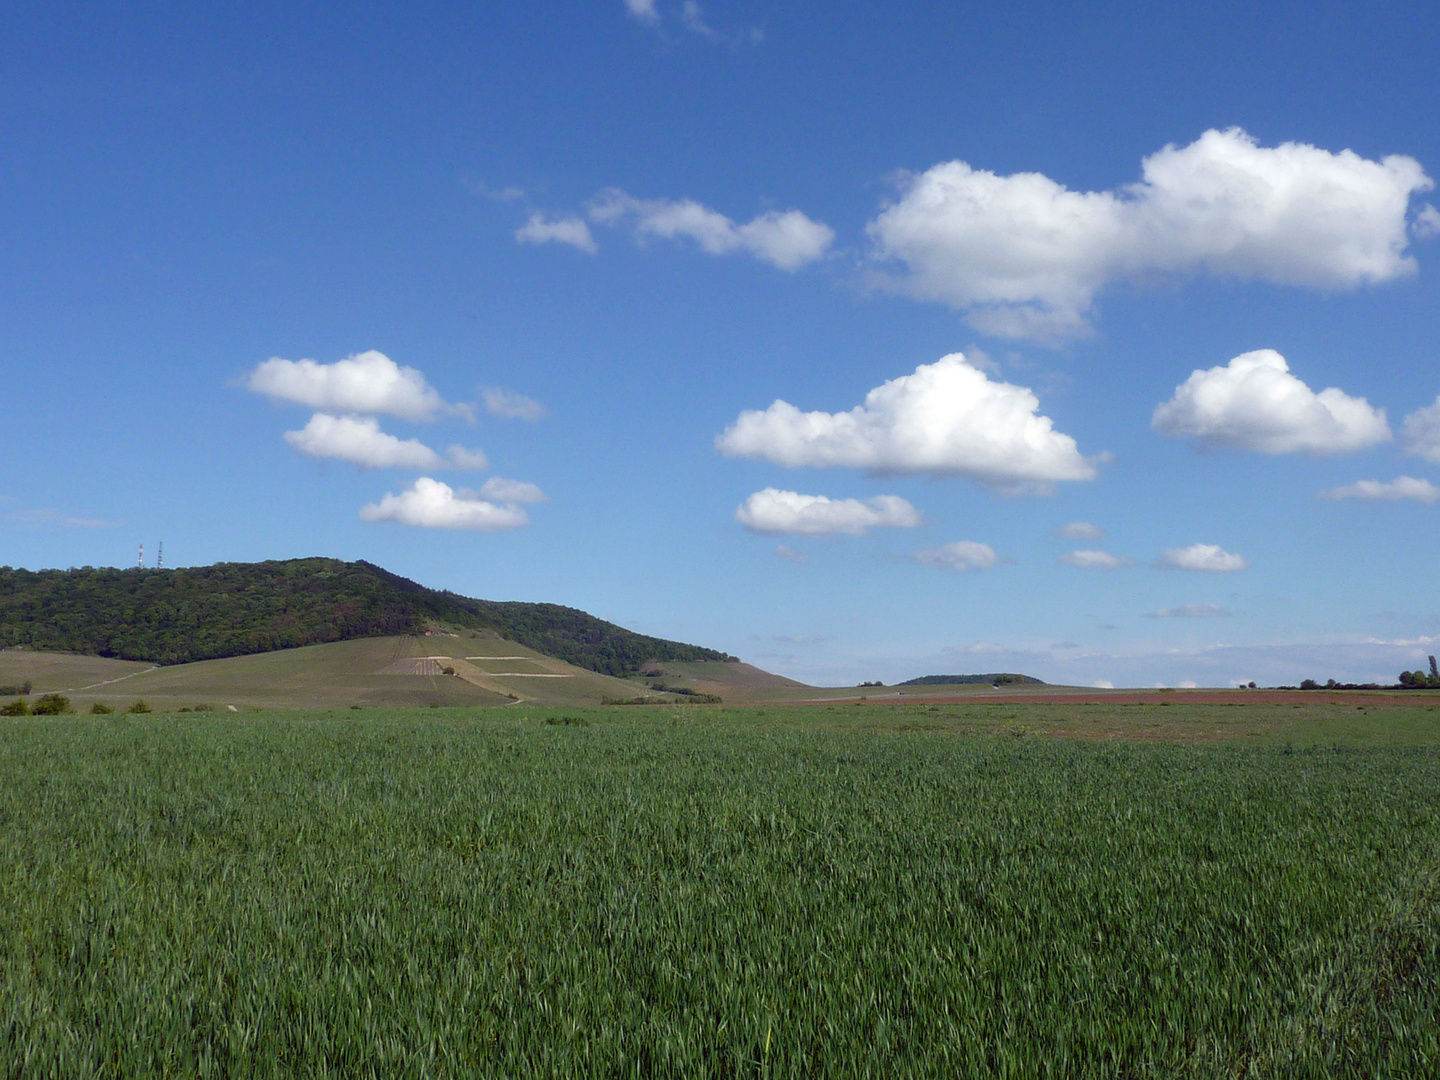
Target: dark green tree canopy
(235, 609)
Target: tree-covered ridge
(236, 609)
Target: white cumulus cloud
(1421, 432)
(1206, 557)
(511, 406)
(570, 230)
(368, 382)
(431, 504)
(1402, 487)
(1081, 530)
(960, 556)
(775, 511)
(784, 238)
(947, 419)
(1025, 256)
(1094, 560)
(359, 440)
(501, 490)
(1254, 403)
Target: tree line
(1409, 680)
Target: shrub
(50, 705)
(139, 707)
(15, 708)
(101, 709)
(15, 689)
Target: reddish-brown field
(1070, 695)
(1205, 697)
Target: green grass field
(981, 890)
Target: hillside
(997, 678)
(240, 609)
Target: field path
(107, 682)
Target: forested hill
(234, 609)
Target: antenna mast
(140, 562)
(160, 557)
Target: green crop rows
(706, 894)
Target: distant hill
(999, 678)
(238, 609)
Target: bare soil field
(1072, 695)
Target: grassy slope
(822, 891)
(61, 671)
(734, 682)
(326, 676)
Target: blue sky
(806, 331)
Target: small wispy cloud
(1095, 560)
(1402, 487)
(510, 406)
(500, 490)
(571, 230)
(786, 239)
(692, 20)
(961, 556)
(51, 516)
(503, 195)
(1189, 611)
(1080, 530)
(789, 554)
(462, 457)
(643, 11)
(1426, 223)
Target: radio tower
(160, 557)
(140, 562)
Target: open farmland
(701, 891)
